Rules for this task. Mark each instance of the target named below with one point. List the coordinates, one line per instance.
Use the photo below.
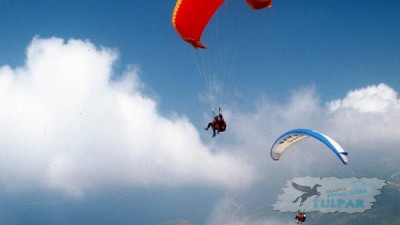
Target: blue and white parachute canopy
(292, 137)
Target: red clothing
(218, 124)
(221, 125)
(214, 125)
(301, 217)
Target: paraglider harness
(218, 124)
(300, 217)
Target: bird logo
(308, 192)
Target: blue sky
(103, 108)
(322, 43)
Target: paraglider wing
(294, 136)
(259, 4)
(190, 17)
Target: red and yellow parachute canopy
(190, 17)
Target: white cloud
(367, 117)
(365, 122)
(66, 126)
(378, 99)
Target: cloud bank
(67, 126)
(362, 120)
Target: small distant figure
(218, 124)
(300, 217)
